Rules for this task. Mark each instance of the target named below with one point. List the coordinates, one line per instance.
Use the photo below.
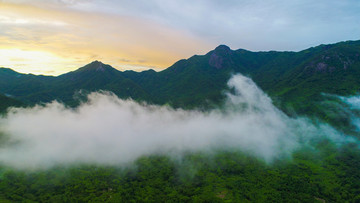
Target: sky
(52, 37)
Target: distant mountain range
(295, 80)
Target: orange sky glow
(55, 39)
(52, 37)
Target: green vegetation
(329, 174)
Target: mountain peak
(96, 62)
(222, 49)
(219, 56)
(95, 69)
(97, 66)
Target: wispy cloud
(68, 33)
(255, 24)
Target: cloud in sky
(78, 37)
(161, 32)
(251, 24)
(108, 130)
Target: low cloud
(352, 109)
(108, 130)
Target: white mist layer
(108, 130)
(353, 103)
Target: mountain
(292, 79)
(321, 170)
(94, 77)
(24, 86)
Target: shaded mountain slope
(94, 77)
(22, 86)
(6, 102)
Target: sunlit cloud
(79, 37)
(36, 61)
(144, 34)
(9, 20)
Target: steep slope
(199, 80)
(332, 69)
(291, 78)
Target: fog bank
(109, 130)
(353, 109)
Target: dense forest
(326, 174)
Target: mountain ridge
(199, 81)
(218, 48)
